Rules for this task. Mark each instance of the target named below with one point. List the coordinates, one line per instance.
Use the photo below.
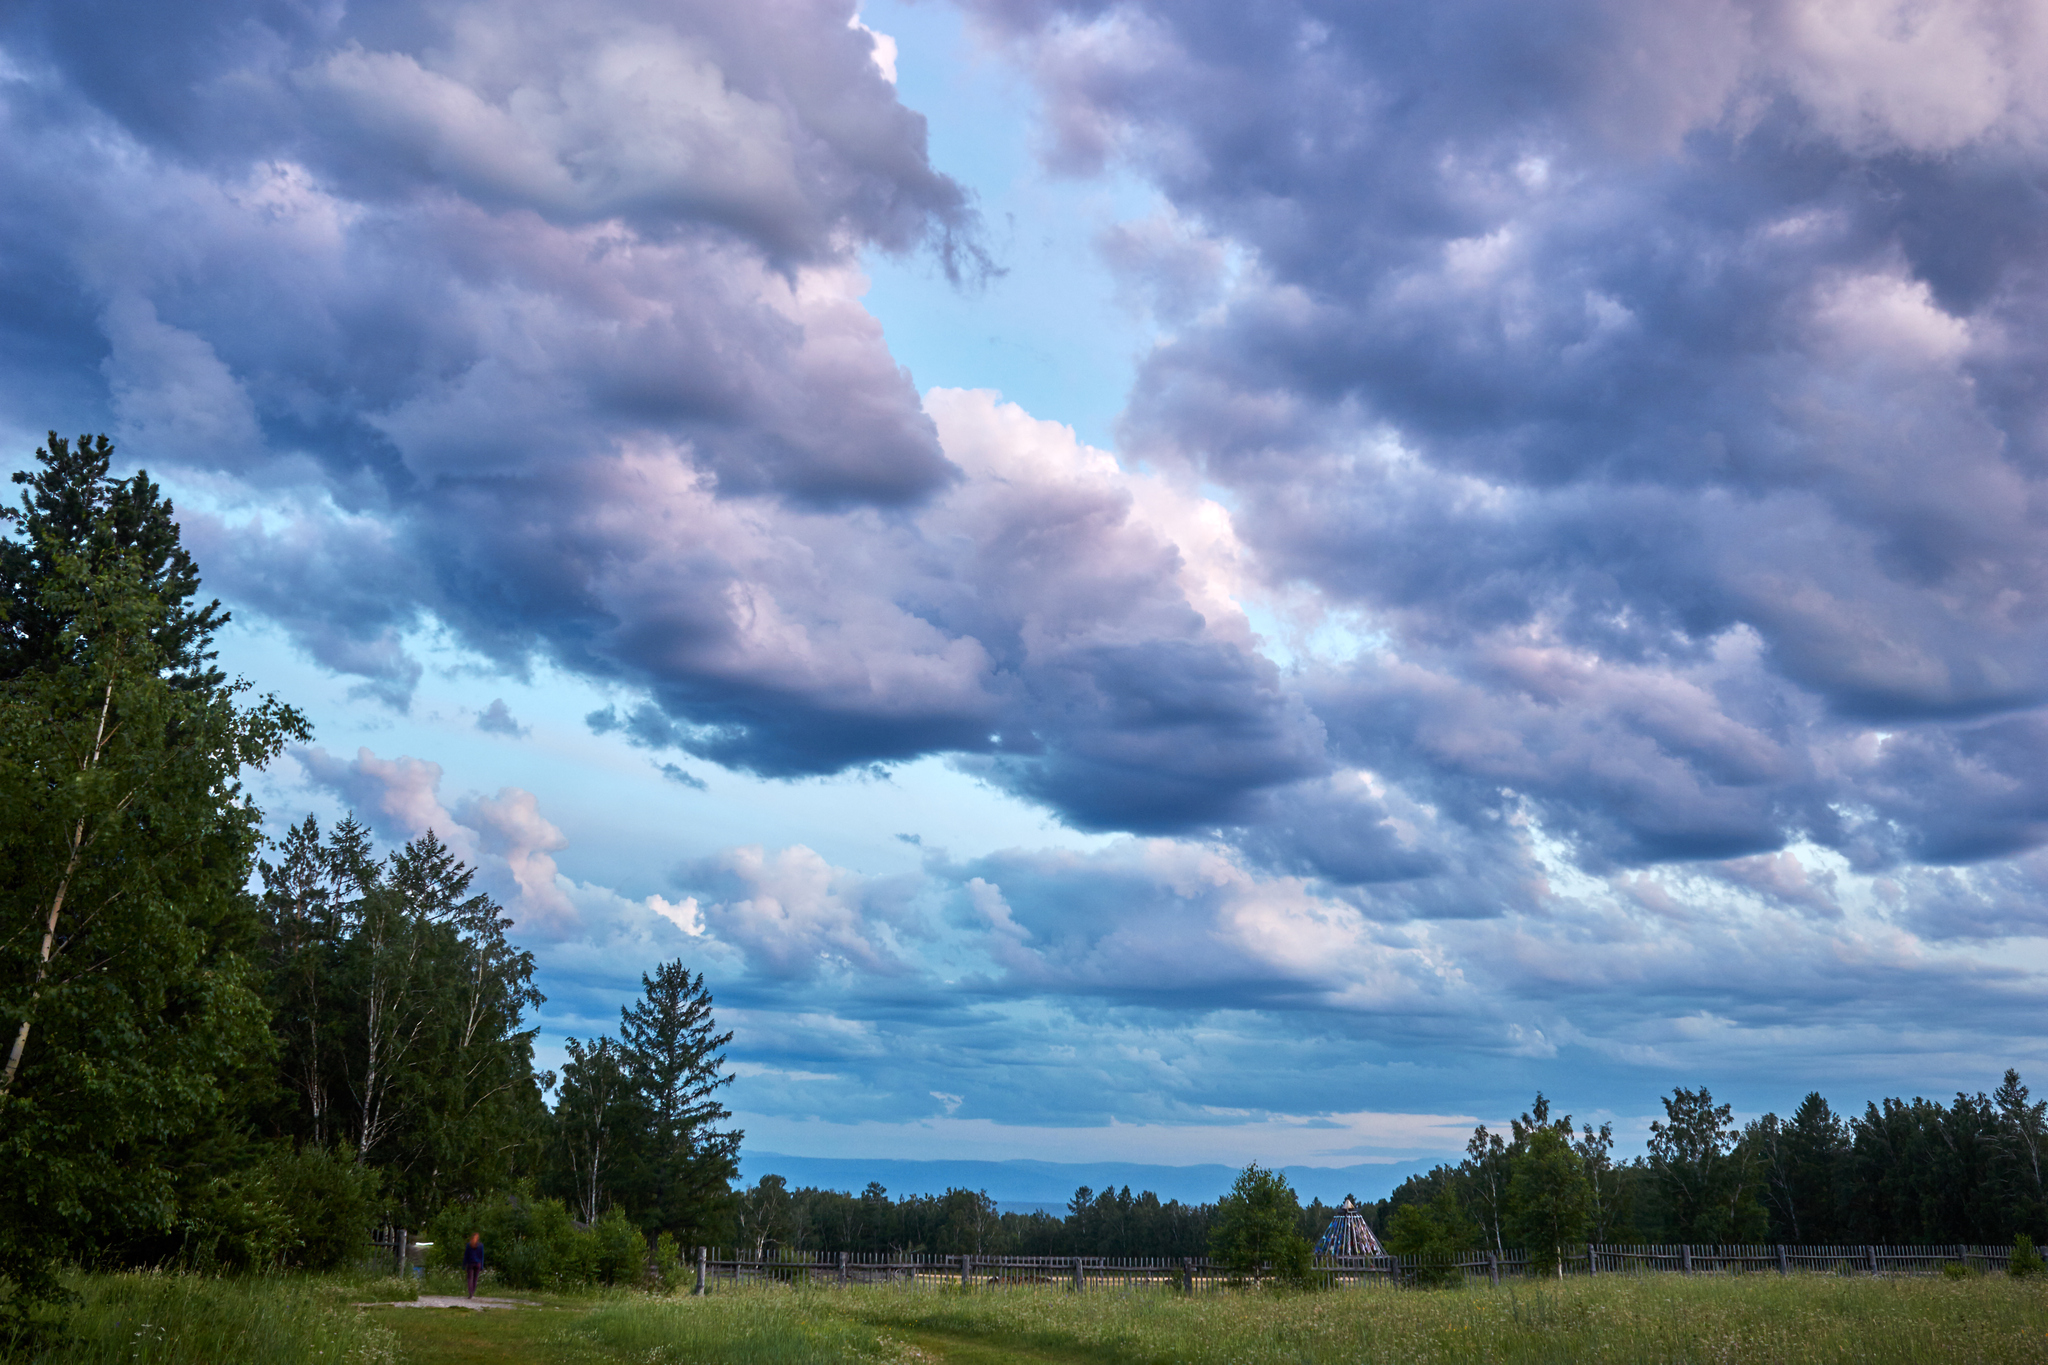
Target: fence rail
(1193, 1274)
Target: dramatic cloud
(1653, 382)
(1570, 591)
(542, 324)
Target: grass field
(170, 1320)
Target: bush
(621, 1252)
(234, 1221)
(2025, 1260)
(533, 1244)
(668, 1261)
(330, 1201)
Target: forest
(237, 1052)
(1903, 1172)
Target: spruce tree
(678, 1056)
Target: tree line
(1915, 1172)
(226, 1052)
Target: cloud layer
(1571, 588)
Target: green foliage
(2025, 1261)
(668, 1261)
(636, 1120)
(1706, 1179)
(1436, 1233)
(619, 1251)
(534, 1244)
(1255, 1227)
(1549, 1198)
(602, 1120)
(677, 1055)
(1116, 1223)
(133, 1022)
(233, 1222)
(1800, 1162)
(152, 1318)
(398, 1010)
(331, 1203)
(1438, 1228)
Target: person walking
(473, 1260)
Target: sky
(1140, 582)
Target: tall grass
(744, 1327)
(1703, 1320)
(154, 1318)
(1661, 1318)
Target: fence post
(703, 1255)
(398, 1249)
(965, 1261)
(1592, 1260)
(842, 1270)
(1685, 1258)
(1493, 1269)
(1187, 1275)
(1079, 1283)
(1871, 1252)
(1783, 1267)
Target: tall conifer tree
(678, 1056)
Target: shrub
(621, 1252)
(2025, 1260)
(533, 1244)
(233, 1221)
(330, 1201)
(668, 1261)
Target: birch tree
(400, 1012)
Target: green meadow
(175, 1320)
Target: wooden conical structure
(1349, 1234)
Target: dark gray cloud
(1655, 381)
(542, 323)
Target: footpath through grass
(172, 1320)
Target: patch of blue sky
(1296, 635)
(1050, 332)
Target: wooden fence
(1194, 1274)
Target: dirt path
(959, 1350)
(536, 1337)
(529, 1337)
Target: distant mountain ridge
(1052, 1183)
